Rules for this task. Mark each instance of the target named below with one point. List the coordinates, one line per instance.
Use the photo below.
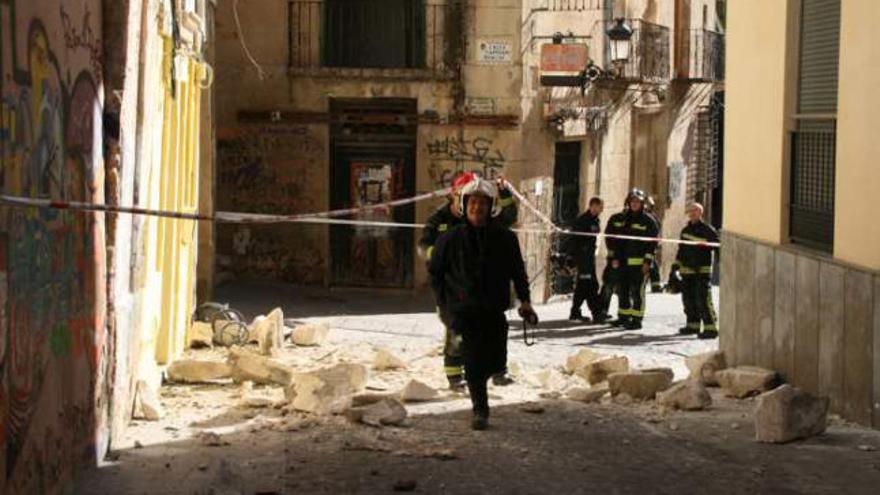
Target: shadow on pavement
(254, 298)
(551, 447)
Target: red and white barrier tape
(320, 217)
(553, 228)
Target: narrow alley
(217, 438)
(439, 246)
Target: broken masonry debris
(687, 395)
(788, 413)
(746, 381)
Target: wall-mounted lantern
(620, 39)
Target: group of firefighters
(474, 257)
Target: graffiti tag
(452, 155)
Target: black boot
(575, 315)
(480, 421)
(480, 402)
(502, 380)
(633, 324)
(689, 330)
(708, 335)
(456, 383)
(601, 318)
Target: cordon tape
(325, 217)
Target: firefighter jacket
(694, 259)
(472, 269)
(615, 226)
(443, 220)
(582, 249)
(634, 252)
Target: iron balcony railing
(700, 55)
(649, 53)
(813, 148)
(373, 34)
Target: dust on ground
(213, 440)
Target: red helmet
(462, 180)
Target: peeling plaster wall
(285, 167)
(53, 409)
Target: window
(814, 139)
(374, 33)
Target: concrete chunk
(416, 391)
(547, 378)
(267, 331)
(196, 371)
(327, 391)
(745, 381)
(788, 413)
(687, 395)
(387, 412)
(201, 335)
(311, 335)
(385, 361)
(588, 395)
(642, 384)
(598, 370)
(146, 403)
(247, 366)
(580, 359)
(704, 366)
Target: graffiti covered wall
(274, 169)
(51, 262)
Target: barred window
(813, 143)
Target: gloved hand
(528, 314)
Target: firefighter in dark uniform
(582, 251)
(634, 258)
(471, 271)
(611, 273)
(440, 222)
(695, 266)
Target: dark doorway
(372, 157)
(566, 182)
(566, 208)
(715, 173)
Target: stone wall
(812, 318)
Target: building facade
(318, 111)
(800, 255)
(100, 104)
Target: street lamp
(620, 36)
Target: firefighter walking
(695, 266)
(633, 258)
(471, 270)
(442, 221)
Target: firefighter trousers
(631, 293)
(453, 361)
(587, 289)
(610, 280)
(696, 294)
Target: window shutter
(819, 55)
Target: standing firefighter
(582, 250)
(612, 273)
(471, 272)
(695, 265)
(634, 257)
(439, 223)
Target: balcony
(700, 55)
(395, 38)
(649, 53)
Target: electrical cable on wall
(247, 52)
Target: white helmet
(480, 187)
